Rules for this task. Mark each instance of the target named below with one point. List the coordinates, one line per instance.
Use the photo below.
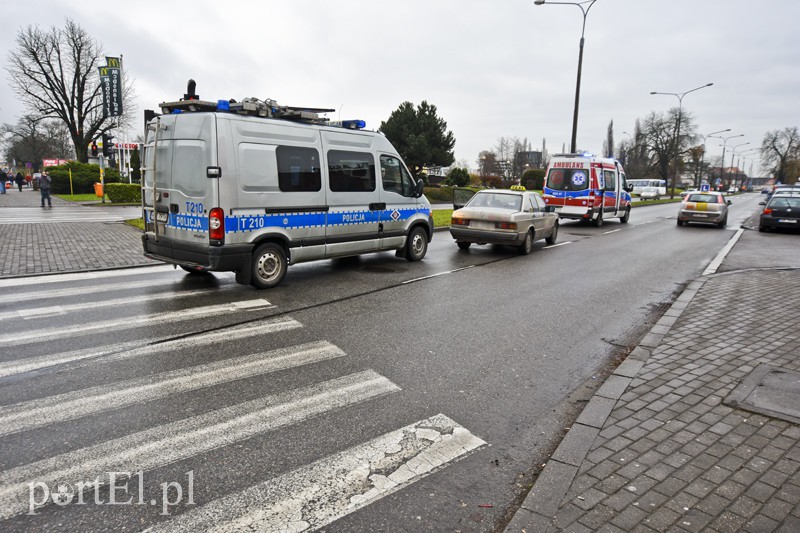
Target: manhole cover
(770, 391)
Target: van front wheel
(269, 266)
(417, 244)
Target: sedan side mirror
(729, 202)
(762, 203)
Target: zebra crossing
(43, 392)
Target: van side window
(394, 176)
(351, 171)
(298, 169)
(610, 178)
(622, 181)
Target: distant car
(513, 217)
(650, 193)
(707, 207)
(781, 211)
(766, 190)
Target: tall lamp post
(733, 153)
(585, 11)
(679, 96)
(724, 143)
(744, 161)
(703, 156)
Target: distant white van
(253, 187)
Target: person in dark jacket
(20, 179)
(44, 187)
(3, 180)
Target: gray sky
(492, 68)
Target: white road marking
(82, 276)
(612, 231)
(557, 245)
(43, 335)
(43, 411)
(313, 496)
(170, 287)
(126, 350)
(437, 274)
(186, 438)
(715, 264)
(128, 300)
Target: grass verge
(136, 223)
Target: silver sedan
(708, 207)
(498, 216)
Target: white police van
(253, 187)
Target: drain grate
(770, 391)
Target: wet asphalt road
(502, 345)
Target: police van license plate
(162, 217)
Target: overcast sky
(500, 68)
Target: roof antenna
(190, 94)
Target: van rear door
(184, 190)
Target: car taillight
(216, 224)
(459, 221)
(767, 210)
(505, 225)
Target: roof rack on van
(250, 106)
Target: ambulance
(253, 187)
(587, 188)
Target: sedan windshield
(511, 202)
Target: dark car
(781, 211)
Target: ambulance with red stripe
(587, 188)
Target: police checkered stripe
(233, 223)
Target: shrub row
(124, 193)
(84, 176)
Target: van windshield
(568, 179)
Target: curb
(541, 505)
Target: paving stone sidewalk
(32, 248)
(656, 449)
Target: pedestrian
(29, 180)
(20, 181)
(3, 180)
(44, 187)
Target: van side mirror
(418, 188)
(628, 188)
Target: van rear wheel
(269, 266)
(417, 244)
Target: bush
(533, 179)
(124, 193)
(439, 194)
(494, 182)
(84, 176)
(458, 177)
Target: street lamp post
(744, 162)
(703, 156)
(585, 11)
(724, 143)
(733, 153)
(679, 96)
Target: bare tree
(54, 73)
(779, 149)
(608, 144)
(666, 148)
(30, 140)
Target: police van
(253, 187)
(587, 188)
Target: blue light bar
(223, 105)
(354, 124)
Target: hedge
(84, 176)
(124, 193)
